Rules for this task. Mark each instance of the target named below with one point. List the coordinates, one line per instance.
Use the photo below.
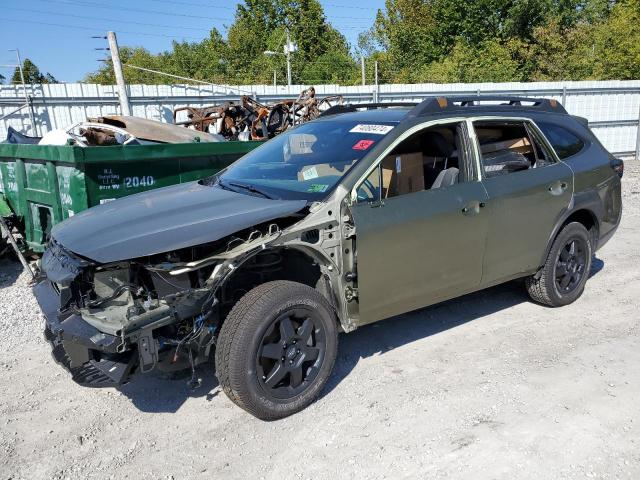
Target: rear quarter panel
(596, 186)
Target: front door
(415, 248)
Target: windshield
(306, 162)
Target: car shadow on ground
(381, 337)
(157, 393)
(10, 270)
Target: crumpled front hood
(164, 220)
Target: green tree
(558, 53)
(32, 74)
(486, 40)
(198, 60)
(259, 26)
(412, 41)
(406, 32)
(490, 61)
(616, 44)
(331, 68)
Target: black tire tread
(540, 288)
(229, 347)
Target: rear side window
(563, 141)
(508, 147)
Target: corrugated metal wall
(612, 107)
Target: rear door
(416, 248)
(529, 190)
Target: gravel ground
(486, 386)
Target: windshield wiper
(250, 188)
(222, 185)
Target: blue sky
(56, 34)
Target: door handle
(558, 188)
(473, 208)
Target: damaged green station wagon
(368, 212)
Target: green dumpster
(41, 185)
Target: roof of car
(457, 104)
(393, 114)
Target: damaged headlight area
(108, 321)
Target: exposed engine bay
(164, 311)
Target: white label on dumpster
(106, 200)
(371, 128)
(142, 181)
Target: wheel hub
(291, 353)
(570, 266)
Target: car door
(418, 248)
(524, 204)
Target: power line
(348, 6)
(89, 4)
(191, 4)
(233, 8)
(158, 72)
(93, 29)
(108, 19)
(172, 2)
(83, 3)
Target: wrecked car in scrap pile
(366, 213)
(252, 120)
(111, 130)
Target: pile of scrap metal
(252, 120)
(123, 130)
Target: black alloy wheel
(291, 353)
(562, 278)
(570, 265)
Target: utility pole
(364, 79)
(275, 79)
(287, 52)
(375, 76)
(375, 66)
(34, 128)
(117, 70)
(638, 139)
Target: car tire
(565, 272)
(276, 349)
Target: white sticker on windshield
(310, 173)
(374, 129)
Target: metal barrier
(612, 107)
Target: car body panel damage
(164, 310)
